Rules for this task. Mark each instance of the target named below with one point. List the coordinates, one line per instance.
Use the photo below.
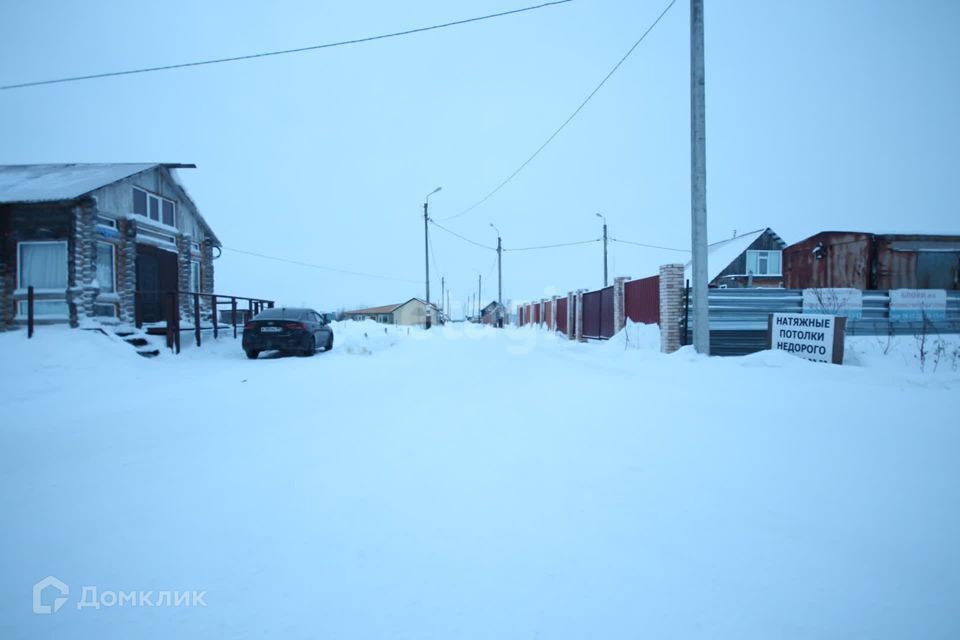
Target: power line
(464, 238)
(433, 256)
(317, 266)
(251, 56)
(553, 246)
(649, 246)
(567, 121)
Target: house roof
(35, 183)
(721, 254)
(23, 183)
(387, 308)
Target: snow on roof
(52, 182)
(721, 254)
(388, 308)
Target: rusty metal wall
(536, 313)
(562, 315)
(642, 300)
(867, 262)
(845, 261)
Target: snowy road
(476, 484)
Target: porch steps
(139, 340)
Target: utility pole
(600, 215)
(698, 181)
(442, 294)
(426, 247)
(479, 292)
(499, 277)
(447, 306)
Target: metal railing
(170, 303)
(170, 310)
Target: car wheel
(311, 347)
(329, 343)
(252, 354)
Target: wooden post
(29, 312)
(233, 316)
(171, 303)
(196, 317)
(176, 316)
(213, 309)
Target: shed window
(43, 266)
(764, 263)
(195, 276)
(106, 271)
(154, 207)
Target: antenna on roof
(734, 233)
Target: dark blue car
(299, 331)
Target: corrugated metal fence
(738, 317)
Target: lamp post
(600, 215)
(426, 247)
(499, 277)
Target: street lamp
(426, 246)
(600, 215)
(499, 277)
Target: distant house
(489, 314)
(751, 259)
(863, 260)
(413, 312)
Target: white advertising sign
(914, 304)
(808, 335)
(834, 301)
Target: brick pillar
(553, 312)
(571, 319)
(83, 260)
(127, 269)
(578, 330)
(619, 302)
(671, 306)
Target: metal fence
(641, 300)
(738, 317)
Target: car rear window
(280, 314)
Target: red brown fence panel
(562, 315)
(536, 313)
(642, 300)
(591, 314)
(606, 312)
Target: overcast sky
(821, 115)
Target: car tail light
(294, 326)
(250, 325)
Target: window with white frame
(154, 207)
(764, 263)
(106, 267)
(42, 264)
(195, 276)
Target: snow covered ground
(473, 483)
